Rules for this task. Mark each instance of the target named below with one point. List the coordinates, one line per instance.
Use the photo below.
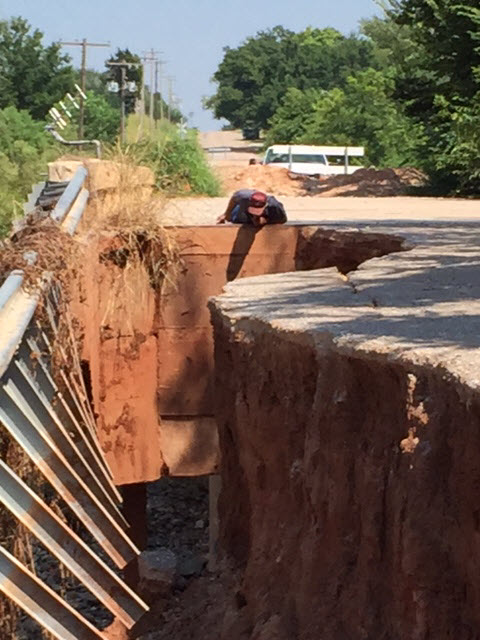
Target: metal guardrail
(218, 149)
(55, 426)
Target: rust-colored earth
(364, 182)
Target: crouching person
(248, 206)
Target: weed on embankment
(176, 158)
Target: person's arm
(225, 217)
(276, 214)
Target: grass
(177, 160)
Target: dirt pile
(279, 181)
(365, 182)
(269, 179)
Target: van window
(339, 161)
(308, 158)
(284, 158)
(275, 157)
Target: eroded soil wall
(345, 525)
(149, 346)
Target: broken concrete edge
(379, 349)
(347, 248)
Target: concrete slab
(422, 305)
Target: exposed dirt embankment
(348, 416)
(347, 526)
(149, 343)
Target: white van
(312, 160)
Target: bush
(101, 120)
(25, 149)
(177, 160)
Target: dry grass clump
(49, 259)
(38, 248)
(142, 234)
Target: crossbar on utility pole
(83, 82)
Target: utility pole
(158, 83)
(124, 65)
(83, 82)
(151, 58)
(170, 95)
(157, 64)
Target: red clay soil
(340, 532)
(150, 354)
(270, 179)
(364, 182)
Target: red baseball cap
(257, 203)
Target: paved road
(206, 210)
(241, 150)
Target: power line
(84, 44)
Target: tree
(362, 113)
(253, 78)
(294, 117)
(101, 119)
(32, 77)
(442, 87)
(95, 81)
(24, 152)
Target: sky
(188, 34)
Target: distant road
(241, 150)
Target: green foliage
(32, 77)
(362, 113)
(253, 78)
(24, 151)
(162, 109)
(395, 50)
(294, 117)
(418, 103)
(177, 160)
(180, 166)
(101, 119)
(440, 88)
(95, 81)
